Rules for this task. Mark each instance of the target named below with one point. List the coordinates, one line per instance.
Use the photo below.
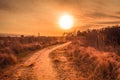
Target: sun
(66, 21)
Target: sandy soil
(36, 67)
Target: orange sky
(33, 16)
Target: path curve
(37, 67)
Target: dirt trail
(36, 67)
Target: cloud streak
(109, 22)
(103, 15)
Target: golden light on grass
(66, 21)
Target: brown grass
(104, 39)
(7, 57)
(95, 65)
(87, 62)
(13, 48)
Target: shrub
(103, 38)
(7, 57)
(94, 65)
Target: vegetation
(106, 39)
(77, 62)
(92, 55)
(12, 48)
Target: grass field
(14, 48)
(89, 56)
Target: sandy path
(37, 67)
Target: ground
(35, 67)
(68, 61)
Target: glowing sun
(66, 21)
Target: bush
(7, 57)
(92, 64)
(13, 47)
(103, 38)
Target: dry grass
(95, 65)
(104, 39)
(13, 48)
(7, 57)
(87, 63)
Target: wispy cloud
(109, 22)
(103, 15)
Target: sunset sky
(33, 16)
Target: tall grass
(12, 47)
(92, 64)
(7, 57)
(106, 39)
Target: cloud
(118, 12)
(18, 5)
(102, 15)
(109, 22)
(5, 5)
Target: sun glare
(66, 21)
